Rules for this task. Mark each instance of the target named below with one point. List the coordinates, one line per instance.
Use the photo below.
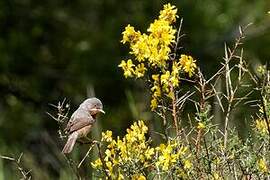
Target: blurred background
(56, 49)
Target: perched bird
(82, 121)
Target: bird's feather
(78, 120)
(70, 143)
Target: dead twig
(26, 175)
(87, 154)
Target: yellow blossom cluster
(152, 54)
(170, 154)
(216, 176)
(201, 125)
(121, 155)
(261, 126)
(169, 13)
(130, 71)
(132, 149)
(262, 165)
(188, 64)
(169, 80)
(138, 177)
(153, 47)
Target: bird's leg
(86, 140)
(81, 141)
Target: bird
(81, 122)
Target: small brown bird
(82, 121)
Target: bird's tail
(70, 143)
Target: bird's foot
(87, 141)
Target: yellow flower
(161, 30)
(170, 94)
(216, 176)
(138, 177)
(176, 68)
(201, 125)
(158, 51)
(127, 68)
(262, 165)
(108, 154)
(156, 91)
(161, 147)
(154, 104)
(130, 35)
(141, 48)
(187, 164)
(168, 13)
(217, 160)
(149, 153)
(120, 176)
(110, 167)
(167, 156)
(96, 164)
(131, 147)
(140, 70)
(174, 80)
(175, 74)
(165, 78)
(188, 64)
(142, 126)
(107, 136)
(182, 150)
(112, 144)
(261, 126)
(261, 69)
(155, 77)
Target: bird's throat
(94, 115)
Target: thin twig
(88, 152)
(25, 174)
(102, 161)
(174, 113)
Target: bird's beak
(101, 110)
(96, 110)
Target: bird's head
(93, 106)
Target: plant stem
(102, 161)
(174, 112)
(265, 115)
(226, 125)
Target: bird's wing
(78, 120)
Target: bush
(205, 149)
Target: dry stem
(25, 174)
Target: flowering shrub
(204, 150)
(123, 156)
(153, 54)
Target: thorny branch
(266, 83)
(102, 161)
(26, 175)
(231, 89)
(61, 116)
